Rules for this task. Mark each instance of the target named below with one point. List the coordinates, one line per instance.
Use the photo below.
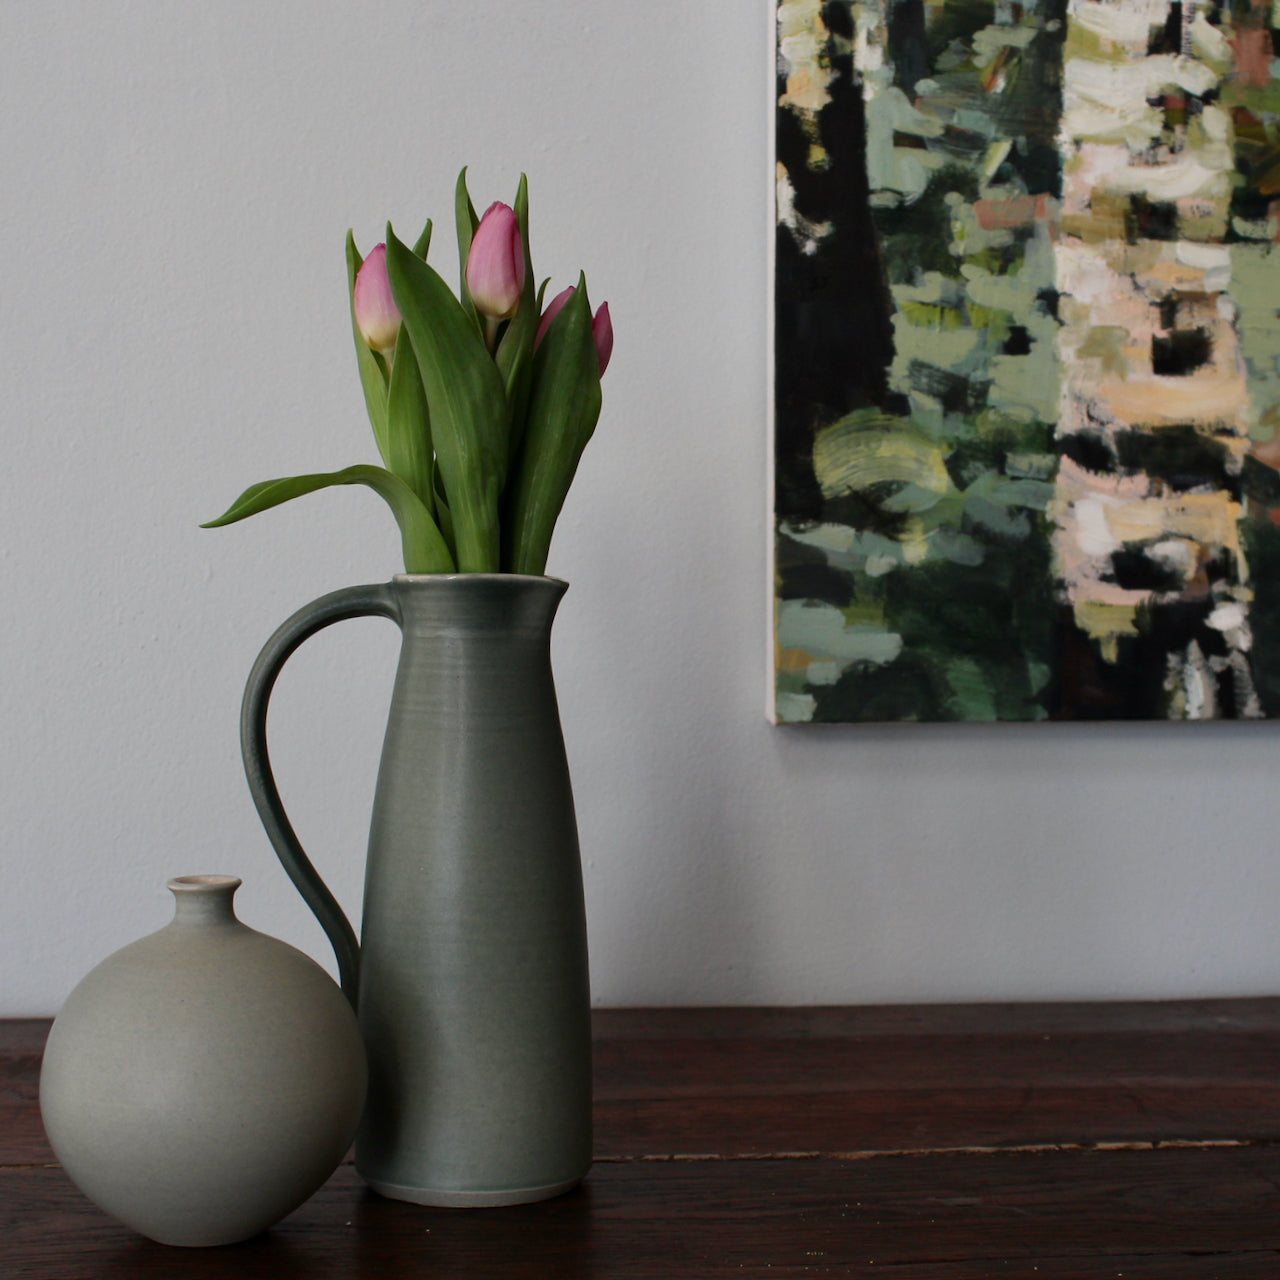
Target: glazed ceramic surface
(471, 972)
(202, 1082)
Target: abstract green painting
(1027, 360)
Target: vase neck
(204, 899)
(480, 603)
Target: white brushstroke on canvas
(1208, 42)
(808, 234)
(1127, 24)
(1213, 259)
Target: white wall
(177, 183)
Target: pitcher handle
(375, 600)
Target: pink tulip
(602, 332)
(495, 264)
(601, 326)
(377, 316)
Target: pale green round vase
(204, 1081)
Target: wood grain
(751, 1082)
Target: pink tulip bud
(377, 316)
(601, 326)
(554, 307)
(602, 332)
(495, 264)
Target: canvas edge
(770, 7)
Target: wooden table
(956, 1142)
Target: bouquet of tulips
(481, 404)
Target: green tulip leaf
(465, 215)
(444, 517)
(424, 547)
(467, 403)
(409, 423)
(423, 242)
(563, 409)
(373, 372)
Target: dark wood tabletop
(948, 1142)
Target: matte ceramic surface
(472, 970)
(202, 1082)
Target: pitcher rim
(479, 577)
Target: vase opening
(189, 884)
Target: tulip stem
(491, 326)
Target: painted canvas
(1027, 360)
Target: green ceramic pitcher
(470, 977)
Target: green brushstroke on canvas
(1255, 289)
(868, 448)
